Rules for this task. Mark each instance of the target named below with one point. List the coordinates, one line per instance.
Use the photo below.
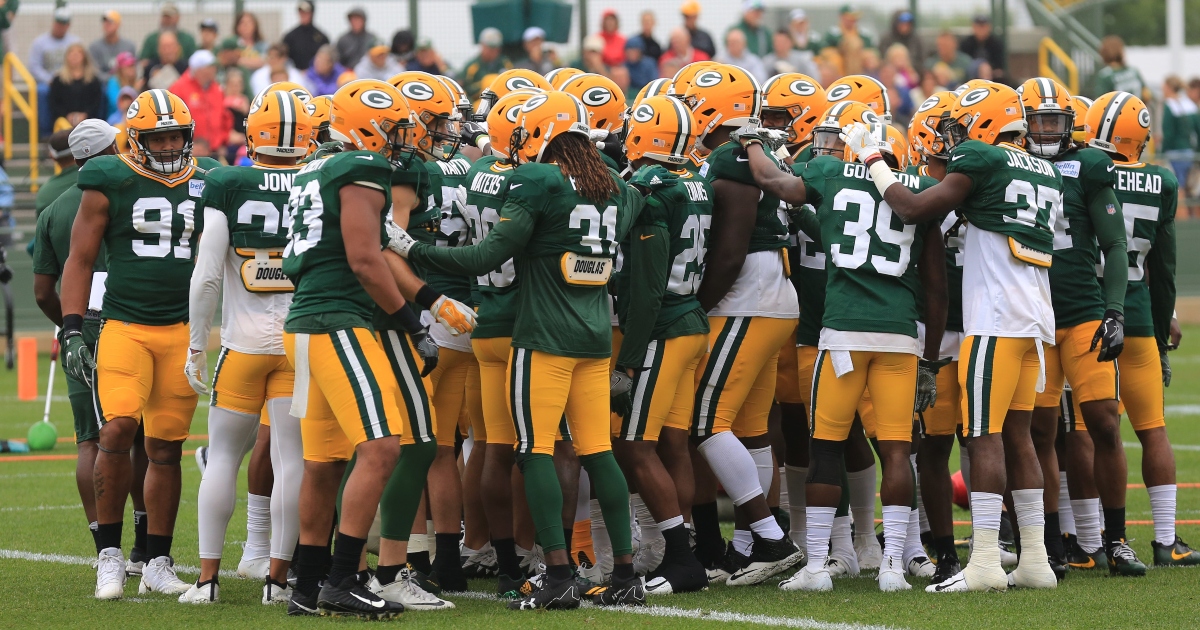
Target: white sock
(912, 543)
(674, 521)
(1066, 515)
(287, 461)
(785, 502)
(733, 466)
(795, 477)
(766, 467)
(230, 436)
(1162, 507)
(468, 445)
(842, 541)
(258, 526)
(583, 501)
(964, 465)
(1087, 523)
(862, 501)
(820, 529)
(742, 541)
(431, 538)
(895, 530)
(985, 529)
(1031, 522)
(767, 528)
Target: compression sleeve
(503, 241)
(206, 277)
(1160, 266)
(649, 260)
(1110, 233)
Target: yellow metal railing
(29, 107)
(1048, 47)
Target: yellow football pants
(542, 386)
(735, 381)
(996, 374)
(663, 393)
(892, 379)
(492, 356)
(139, 375)
(1071, 359)
(1140, 374)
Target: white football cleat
(921, 567)
(972, 579)
(891, 576)
(480, 563)
(276, 594)
(134, 568)
(254, 568)
(159, 577)
(870, 554)
(808, 580)
(1007, 558)
(110, 574)
(649, 555)
(206, 593)
(405, 591)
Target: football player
(1087, 314)
(142, 206)
(1118, 123)
(1007, 196)
(516, 79)
(752, 312)
(560, 222)
(793, 103)
(241, 257)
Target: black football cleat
(552, 595)
(1178, 554)
(619, 593)
(303, 605)
(947, 567)
(768, 558)
(1122, 560)
(352, 599)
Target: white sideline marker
(58, 558)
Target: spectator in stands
(46, 58)
(898, 58)
(228, 54)
(847, 29)
(641, 67)
(737, 53)
(802, 36)
(758, 38)
(943, 75)
(680, 53)
(650, 47)
(785, 57)
(982, 43)
(278, 68)
(168, 23)
(378, 64)
(981, 69)
(537, 58)
(426, 59)
(353, 45)
(125, 75)
(171, 64)
(304, 40)
(904, 32)
(925, 88)
(898, 94)
(957, 62)
(199, 89)
(238, 105)
(8, 12)
(489, 61)
(403, 45)
(1115, 75)
(1193, 90)
(75, 92)
(209, 36)
(1180, 130)
(829, 64)
(593, 55)
(250, 39)
(60, 152)
(614, 41)
(324, 75)
(620, 75)
(701, 39)
(105, 49)
(125, 98)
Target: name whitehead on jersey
(1132, 181)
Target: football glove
(1110, 336)
(652, 177)
(774, 138)
(475, 134)
(927, 372)
(747, 135)
(427, 349)
(1166, 367)
(619, 384)
(455, 315)
(399, 240)
(612, 146)
(76, 358)
(861, 141)
(196, 370)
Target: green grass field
(40, 514)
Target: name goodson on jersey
(859, 171)
(1132, 181)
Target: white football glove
(196, 370)
(862, 140)
(399, 240)
(746, 135)
(455, 315)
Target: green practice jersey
(729, 161)
(329, 296)
(412, 173)
(324, 150)
(662, 267)
(52, 240)
(254, 201)
(1148, 194)
(808, 272)
(152, 224)
(1012, 193)
(873, 285)
(1075, 290)
(441, 223)
(954, 238)
(487, 188)
(563, 247)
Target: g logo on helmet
(595, 97)
(257, 103)
(519, 83)
(303, 96)
(416, 91)
(838, 93)
(707, 79)
(511, 114)
(929, 104)
(533, 102)
(1143, 118)
(644, 113)
(800, 87)
(870, 118)
(974, 97)
(376, 99)
(134, 108)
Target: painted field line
(1182, 410)
(58, 558)
(40, 508)
(1178, 522)
(1178, 447)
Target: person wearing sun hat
(758, 38)
(105, 49)
(847, 26)
(700, 39)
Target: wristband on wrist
(872, 159)
(72, 323)
(408, 320)
(426, 296)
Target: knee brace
(827, 462)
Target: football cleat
(947, 567)
(891, 576)
(1007, 557)
(870, 554)
(1122, 560)
(671, 578)
(276, 593)
(481, 563)
(1059, 568)
(1033, 575)
(302, 605)
(922, 567)
(649, 555)
(842, 567)
(587, 571)
(136, 562)
(448, 575)
(1177, 554)
(809, 579)
(254, 568)
(353, 599)
(202, 459)
(731, 563)
(159, 577)
(201, 593)
(513, 588)
(768, 558)
(110, 574)
(406, 592)
(551, 595)
(1077, 558)
(971, 579)
(620, 593)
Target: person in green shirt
(61, 154)
(168, 21)
(758, 37)
(847, 26)
(1116, 76)
(489, 62)
(1180, 128)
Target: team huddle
(528, 340)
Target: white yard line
(40, 508)
(1183, 410)
(32, 475)
(1178, 447)
(58, 558)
